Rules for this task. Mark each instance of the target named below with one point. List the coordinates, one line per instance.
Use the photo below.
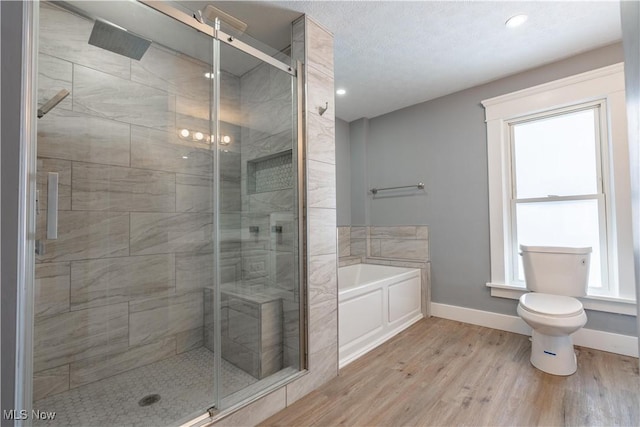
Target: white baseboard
(606, 341)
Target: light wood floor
(444, 373)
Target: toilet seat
(551, 305)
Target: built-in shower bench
(251, 328)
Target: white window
(559, 176)
(558, 196)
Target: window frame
(604, 87)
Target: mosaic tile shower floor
(184, 382)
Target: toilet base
(553, 354)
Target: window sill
(591, 302)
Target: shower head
(48, 106)
(211, 13)
(118, 40)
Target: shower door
(257, 210)
(125, 224)
(167, 237)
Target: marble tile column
(322, 248)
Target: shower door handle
(52, 205)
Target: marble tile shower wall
(268, 254)
(122, 286)
(265, 97)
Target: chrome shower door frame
(23, 390)
(217, 34)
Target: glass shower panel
(258, 216)
(125, 217)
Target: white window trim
(602, 84)
(604, 203)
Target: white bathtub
(375, 302)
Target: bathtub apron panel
(375, 303)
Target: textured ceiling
(393, 54)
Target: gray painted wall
(358, 138)
(343, 172)
(443, 144)
(11, 60)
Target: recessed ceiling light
(209, 75)
(516, 21)
(341, 92)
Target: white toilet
(554, 275)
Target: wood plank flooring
(445, 373)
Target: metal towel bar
(419, 186)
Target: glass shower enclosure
(167, 278)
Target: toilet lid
(551, 305)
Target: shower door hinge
(212, 411)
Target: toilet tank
(556, 270)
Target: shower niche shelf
(270, 173)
